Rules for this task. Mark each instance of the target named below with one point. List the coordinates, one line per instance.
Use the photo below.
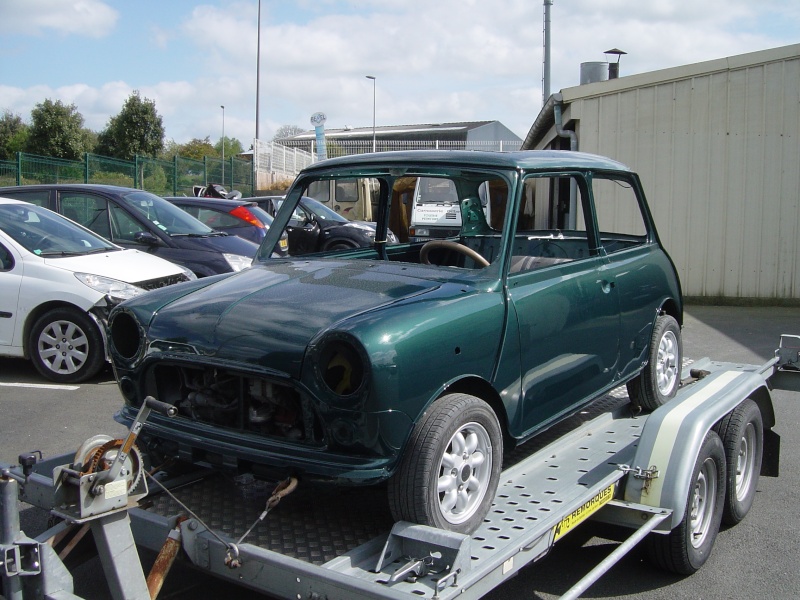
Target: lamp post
(223, 144)
(373, 110)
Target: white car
(58, 281)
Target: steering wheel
(447, 244)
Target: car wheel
(450, 469)
(339, 246)
(687, 547)
(742, 433)
(661, 377)
(65, 345)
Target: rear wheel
(687, 547)
(660, 379)
(66, 346)
(742, 433)
(450, 470)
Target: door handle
(607, 286)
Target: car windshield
(166, 216)
(467, 229)
(46, 233)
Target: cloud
(89, 18)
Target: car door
(564, 301)
(303, 232)
(11, 271)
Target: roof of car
(95, 186)
(527, 159)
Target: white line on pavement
(41, 386)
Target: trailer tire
(451, 466)
(660, 379)
(742, 433)
(687, 547)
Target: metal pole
(546, 66)
(9, 532)
(258, 65)
(223, 144)
(373, 110)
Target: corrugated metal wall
(719, 157)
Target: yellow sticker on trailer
(583, 512)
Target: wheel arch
(480, 388)
(672, 308)
(673, 435)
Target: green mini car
(419, 359)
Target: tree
(137, 129)
(56, 130)
(196, 148)
(13, 134)
(232, 147)
(285, 131)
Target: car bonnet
(265, 316)
(130, 266)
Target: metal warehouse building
(717, 146)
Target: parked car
(58, 281)
(314, 227)
(137, 219)
(416, 362)
(234, 217)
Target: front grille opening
(160, 282)
(238, 401)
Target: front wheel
(687, 547)
(658, 383)
(66, 346)
(449, 472)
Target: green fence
(161, 177)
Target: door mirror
(146, 238)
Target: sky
(434, 61)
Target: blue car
(138, 219)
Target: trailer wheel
(449, 471)
(742, 433)
(687, 547)
(66, 346)
(660, 379)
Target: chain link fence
(161, 177)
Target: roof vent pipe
(613, 67)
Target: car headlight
(190, 276)
(341, 366)
(116, 290)
(238, 262)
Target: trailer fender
(672, 436)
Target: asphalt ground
(760, 557)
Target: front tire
(66, 346)
(742, 433)
(449, 472)
(687, 547)
(660, 379)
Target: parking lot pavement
(756, 558)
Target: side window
(213, 218)
(88, 210)
(37, 197)
(619, 214)
(546, 233)
(6, 259)
(123, 226)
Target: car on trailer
(415, 362)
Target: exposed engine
(222, 398)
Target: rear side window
(6, 259)
(620, 220)
(87, 209)
(37, 197)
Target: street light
(373, 110)
(223, 144)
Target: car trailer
(670, 477)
